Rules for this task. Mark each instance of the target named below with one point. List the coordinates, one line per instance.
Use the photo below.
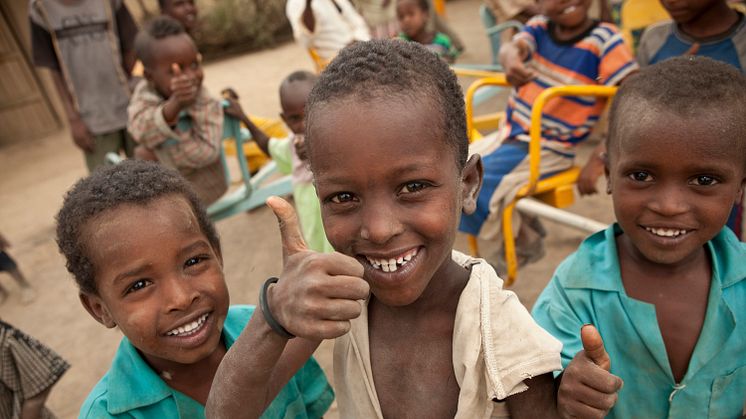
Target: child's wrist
(267, 313)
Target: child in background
(171, 115)
(413, 21)
(563, 46)
(437, 336)
(326, 26)
(380, 16)
(29, 371)
(185, 11)
(147, 260)
(707, 28)
(7, 264)
(88, 47)
(666, 286)
(290, 154)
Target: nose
(670, 200)
(380, 223)
(178, 294)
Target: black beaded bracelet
(271, 321)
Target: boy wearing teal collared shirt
(148, 261)
(131, 385)
(665, 288)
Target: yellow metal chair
(556, 190)
(318, 61)
(636, 15)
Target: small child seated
(147, 260)
(171, 114)
(290, 153)
(413, 16)
(706, 28)
(665, 286)
(437, 336)
(562, 47)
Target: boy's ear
(97, 309)
(471, 183)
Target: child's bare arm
(262, 140)
(587, 388)
(512, 57)
(539, 401)
(184, 90)
(316, 297)
(592, 170)
(78, 129)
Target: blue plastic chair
(254, 190)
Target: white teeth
(188, 328)
(392, 265)
(666, 232)
(569, 10)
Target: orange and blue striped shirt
(596, 57)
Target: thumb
(693, 50)
(594, 346)
(292, 238)
(175, 69)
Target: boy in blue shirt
(147, 260)
(665, 286)
(708, 28)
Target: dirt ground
(35, 175)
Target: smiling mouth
(569, 10)
(666, 232)
(189, 328)
(392, 264)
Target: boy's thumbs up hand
(587, 388)
(593, 346)
(317, 294)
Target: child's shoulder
(595, 258)
(129, 385)
(728, 254)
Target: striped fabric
(597, 57)
(27, 369)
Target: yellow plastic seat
(556, 190)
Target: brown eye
(641, 176)
(704, 180)
(412, 187)
(342, 197)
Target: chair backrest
(494, 30)
(232, 131)
(636, 15)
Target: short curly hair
(380, 69)
(160, 27)
(130, 182)
(687, 86)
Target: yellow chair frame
(318, 62)
(556, 190)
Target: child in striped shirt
(171, 115)
(563, 46)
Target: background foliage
(230, 26)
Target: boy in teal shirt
(665, 287)
(147, 260)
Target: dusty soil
(35, 175)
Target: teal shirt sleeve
(556, 313)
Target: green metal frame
(254, 190)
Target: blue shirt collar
(133, 384)
(597, 266)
